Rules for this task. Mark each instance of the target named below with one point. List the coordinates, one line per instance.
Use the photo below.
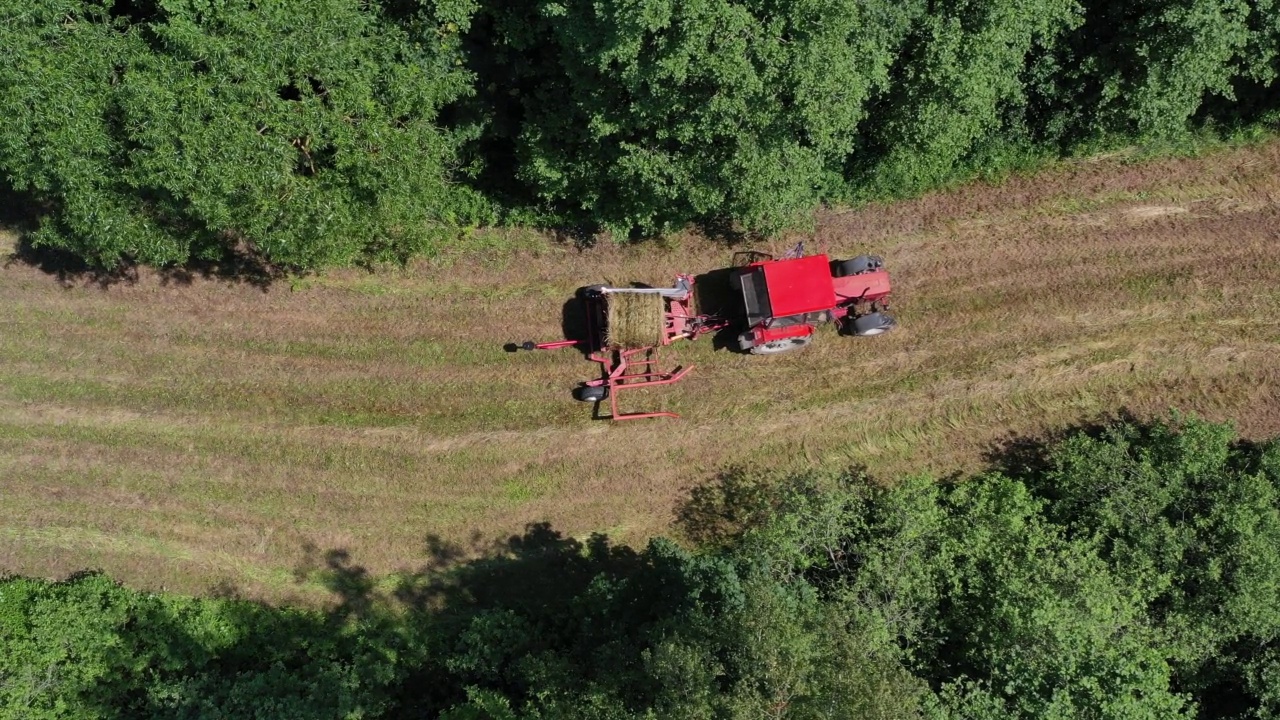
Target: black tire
(590, 393)
(874, 323)
(859, 265)
(776, 347)
(589, 290)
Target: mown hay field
(193, 433)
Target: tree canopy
(305, 132)
(323, 133)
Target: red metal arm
(553, 345)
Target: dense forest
(1124, 571)
(310, 133)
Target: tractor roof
(798, 286)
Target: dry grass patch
(190, 436)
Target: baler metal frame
(680, 322)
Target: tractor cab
(785, 300)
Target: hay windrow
(635, 320)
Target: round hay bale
(635, 320)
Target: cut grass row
(206, 434)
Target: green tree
(647, 114)
(88, 648)
(958, 102)
(305, 133)
(975, 590)
(1190, 520)
(1036, 624)
(1149, 70)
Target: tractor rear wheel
(773, 347)
(873, 324)
(859, 265)
(590, 393)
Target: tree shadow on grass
(517, 597)
(68, 269)
(405, 646)
(238, 265)
(728, 233)
(715, 513)
(1032, 458)
(71, 270)
(21, 213)
(1026, 457)
(538, 567)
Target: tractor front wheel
(773, 347)
(873, 324)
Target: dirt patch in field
(191, 434)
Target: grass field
(193, 433)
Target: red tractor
(782, 300)
(787, 299)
